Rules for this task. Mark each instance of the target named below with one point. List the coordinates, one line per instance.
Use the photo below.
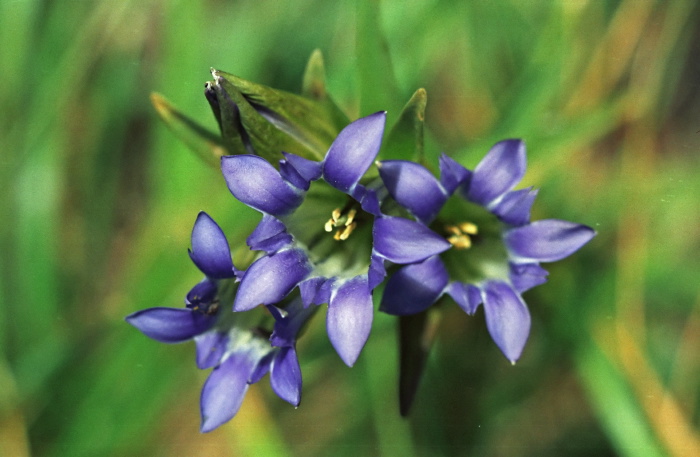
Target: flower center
(459, 234)
(346, 222)
(476, 236)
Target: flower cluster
(333, 227)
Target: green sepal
(416, 336)
(205, 143)
(271, 121)
(405, 140)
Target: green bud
(405, 140)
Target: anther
(347, 231)
(468, 228)
(351, 217)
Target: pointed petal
(223, 392)
(414, 188)
(287, 328)
(285, 376)
(171, 325)
(270, 235)
(507, 318)
(353, 151)
(315, 291)
(547, 240)
(271, 278)
(525, 276)
(514, 208)
(401, 240)
(307, 169)
(415, 287)
(377, 271)
(452, 174)
(349, 319)
(467, 296)
(202, 295)
(368, 199)
(210, 348)
(292, 176)
(498, 172)
(210, 250)
(253, 181)
(262, 367)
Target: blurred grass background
(99, 199)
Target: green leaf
(405, 141)
(205, 143)
(378, 88)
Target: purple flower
(496, 251)
(211, 254)
(322, 230)
(231, 343)
(243, 356)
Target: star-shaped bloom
(231, 343)
(322, 230)
(211, 254)
(497, 250)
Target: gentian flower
(322, 230)
(496, 251)
(233, 343)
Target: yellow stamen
(336, 236)
(453, 230)
(346, 232)
(351, 217)
(329, 225)
(469, 228)
(336, 214)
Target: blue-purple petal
(507, 318)
(315, 291)
(467, 296)
(452, 174)
(525, 276)
(415, 287)
(402, 240)
(377, 271)
(547, 240)
(514, 207)
(353, 151)
(270, 235)
(171, 325)
(285, 376)
(262, 367)
(255, 182)
(202, 295)
(211, 347)
(210, 250)
(498, 172)
(414, 188)
(307, 169)
(271, 278)
(349, 319)
(224, 389)
(292, 176)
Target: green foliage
(99, 200)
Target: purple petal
(525, 276)
(292, 176)
(414, 188)
(452, 174)
(270, 235)
(349, 319)
(467, 296)
(307, 169)
(210, 250)
(223, 392)
(547, 240)
(415, 287)
(271, 278)
(287, 327)
(253, 181)
(171, 325)
(514, 208)
(377, 271)
(285, 376)
(315, 291)
(507, 318)
(353, 151)
(202, 295)
(402, 241)
(262, 367)
(210, 348)
(368, 199)
(498, 172)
